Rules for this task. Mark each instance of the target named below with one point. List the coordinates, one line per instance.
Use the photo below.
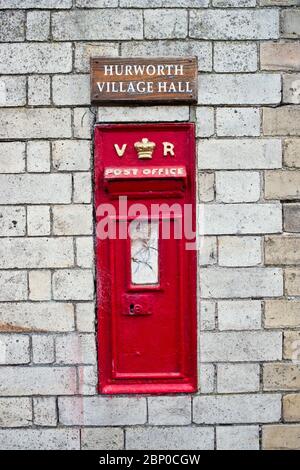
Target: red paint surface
(151, 349)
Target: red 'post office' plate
(146, 260)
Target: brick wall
(248, 120)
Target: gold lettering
(168, 148)
(120, 151)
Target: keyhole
(131, 309)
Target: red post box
(146, 260)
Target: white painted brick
(237, 409)
(97, 25)
(166, 438)
(291, 88)
(12, 157)
(69, 155)
(239, 154)
(75, 219)
(171, 48)
(241, 282)
(169, 410)
(234, 3)
(137, 113)
(75, 348)
(87, 380)
(24, 4)
(239, 315)
(85, 316)
(208, 251)
(102, 438)
(44, 411)
(14, 349)
(36, 252)
(241, 346)
(234, 378)
(22, 189)
(238, 438)
(37, 316)
(82, 187)
(75, 284)
(222, 24)
(85, 252)
(207, 315)
(38, 156)
(206, 184)
(38, 26)
(12, 26)
(39, 90)
(12, 91)
(235, 57)
(83, 123)
(71, 89)
(41, 380)
(162, 3)
(39, 285)
(15, 412)
(42, 349)
(39, 439)
(241, 219)
(240, 251)
(206, 376)
(36, 123)
(96, 3)
(238, 122)
(237, 186)
(165, 24)
(102, 411)
(245, 89)
(205, 121)
(38, 220)
(13, 285)
(35, 58)
(84, 51)
(12, 221)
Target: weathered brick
(38, 220)
(84, 51)
(281, 437)
(38, 156)
(282, 314)
(291, 407)
(12, 91)
(39, 90)
(291, 217)
(12, 157)
(290, 23)
(38, 26)
(239, 315)
(234, 3)
(291, 88)
(82, 188)
(207, 315)
(22, 189)
(75, 284)
(75, 349)
(165, 438)
(37, 123)
(12, 221)
(208, 251)
(292, 281)
(280, 3)
(85, 252)
(237, 186)
(74, 219)
(96, 25)
(165, 24)
(282, 184)
(241, 282)
(238, 122)
(42, 349)
(12, 26)
(85, 316)
(241, 346)
(280, 56)
(36, 316)
(282, 250)
(237, 409)
(239, 251)
(15, 412)
(35, 58)
(175, 48)
(44, 409)
(40, 439)
(234, 378)
(222, 24)
(137, 113)
(69, 155)
(71, 89)
(281, 376)
(169, 410)
(206, 187)
(291, 345)
(39, 282)
(206, 376)
(48, 4)
(102, 438)
(239, 154)
(239, 219)
(87, 380)
(291, 153)
(102, 411)
(238, 438)
(83, 119)
(36, 252)
(284, 120)
(14, 349)
(162, 3)
(13, 285)
(235, 57)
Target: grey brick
(15, 412)
(12, 91)
(12, 157)
(160, 24)
(102, 438)
(235, 57)
(238, 438)
(13, 285)
(38, 25)
(71, 89)
(12, 26)
(14, 349)
(75, 349)
(169, 410)
(48, 4)
(75, 284)
(12, 221)
(40, 439)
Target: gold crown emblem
(144, 148)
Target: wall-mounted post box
(146, 260)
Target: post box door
(146, 267)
